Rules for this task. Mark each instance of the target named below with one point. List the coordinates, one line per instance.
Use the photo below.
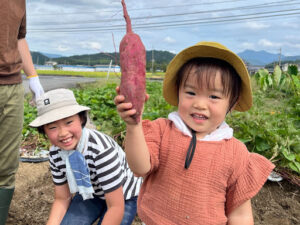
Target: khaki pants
(11, 125)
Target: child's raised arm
(136, 149)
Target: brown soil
(275, 204)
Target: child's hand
(124, 109)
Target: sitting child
(85, 162)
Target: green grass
(77, 73)
(92, 74)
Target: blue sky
(75, 27)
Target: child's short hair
(206, 70)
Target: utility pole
(279, 58)
(152, 61)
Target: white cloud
(91, 45)
(293, 45)
(247, 45)
(268, 44)
(290, 25)
(294, 38)
(62, 48)
(169, 40)
(256, 25)
(43, 16)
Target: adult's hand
(28, 67)
(35, 86)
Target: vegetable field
(270, 128)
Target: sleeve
(22, 29)
(56, 166)
(250, 173)
(153, 131)
(109, 169)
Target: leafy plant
(30, 135)
(288, 81)
(271, 128)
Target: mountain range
(262, 58)
(160, 58)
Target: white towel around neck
(222, 132)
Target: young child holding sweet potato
(195, 171)
(86, 163)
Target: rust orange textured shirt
(12, 28)
(222, 176)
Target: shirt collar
(222, 132)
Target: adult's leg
(83, 212)
(11, 123)
(5, 196)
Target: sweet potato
(133, 67)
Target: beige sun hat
(56, 105)
(211, 50)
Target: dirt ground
(276, 203)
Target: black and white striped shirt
(107, 165)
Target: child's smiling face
(203, 108)
(65, 133)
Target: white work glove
(35, 86)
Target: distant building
(50, 63)
(43, 67)
(253, 69)
(285, 66)
(105, 68)
(77, 68)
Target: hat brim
(58, 114)
(210, 50)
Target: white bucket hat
(56, 105)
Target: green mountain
(160, 59)
(39, 58)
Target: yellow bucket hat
(211, 50)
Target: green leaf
(269, 81)
(245, 140)
(261, 144)
(277, 75)
(298, 158)
(295, 166)
(287, 155)
(263, 72)
(263, 83)
(296, 81)
(292, 70)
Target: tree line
(156, 60)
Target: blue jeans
(87, 212)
